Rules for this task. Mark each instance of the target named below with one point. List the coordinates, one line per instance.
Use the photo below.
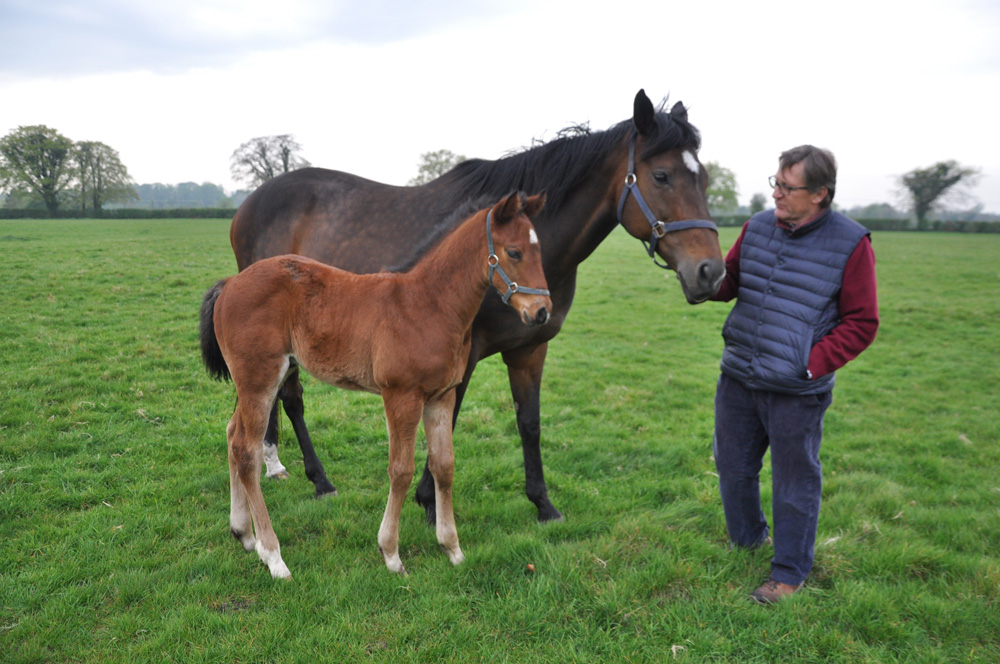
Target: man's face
(799, 204)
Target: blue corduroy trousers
(747, 423)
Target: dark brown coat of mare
(403, 335)
(364, 226)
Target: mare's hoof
(280, 475)
(549, 514)
(328, 490)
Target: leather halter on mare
(659, 228)
(494, 262)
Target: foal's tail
(211, 354)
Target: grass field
(114, 536)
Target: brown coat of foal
(403, 335)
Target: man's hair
(819, 166)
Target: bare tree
(260, 159)
(103, 177)
(931, 188)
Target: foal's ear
(534, 204)
(643, 114)
(678, 112)
(507, 209)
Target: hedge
(721, 220)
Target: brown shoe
(772, 591)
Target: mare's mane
(554, 167)
(557, 166)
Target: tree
(757, 203)
(260, 159)
(37, 159)
(435, 164)
(722, 189)
(103, 177)
(932, 188)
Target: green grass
(114, 542)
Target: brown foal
(403, 335)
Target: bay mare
(643, 173)
(403, 335)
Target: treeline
(121, 213)
(184, 195)
(187, 200)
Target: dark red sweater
(858, 304)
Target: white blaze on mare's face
(692, 162)
(532, 237)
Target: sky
(368, 86)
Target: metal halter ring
(494, 262)
(658, 228)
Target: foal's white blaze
(691, 162)
(532, 237)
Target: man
(803, 277)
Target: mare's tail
(211, 354)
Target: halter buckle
(659, 229)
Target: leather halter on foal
(659, 228)
(494, 262)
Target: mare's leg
(291, 399)
(441, 461)
(425, 489)
(402, 413)
(275, 469)
(524, 369)
(246, 452)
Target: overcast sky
(367, 86)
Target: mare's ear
(507, 209)
(643, 114)
(678, 112)
(534, 204)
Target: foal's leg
(246, 453)
(441, 461)
(524, 369)
(402, 412)
(275, 469)
(291, 399)
(240, 522)
(425, 489)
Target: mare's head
(516, 257)
(667, 175)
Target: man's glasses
(785, 189)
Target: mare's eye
(514, 254)
(661, 177)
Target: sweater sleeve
(859, 317)
(731, 284)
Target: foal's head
(518, 256)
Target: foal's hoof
(280, 475)
(246, 539)
(393, 563)
(455, 556)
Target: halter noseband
(659, 228)
(494, 262)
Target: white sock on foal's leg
(274, 562)
(274, 466)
